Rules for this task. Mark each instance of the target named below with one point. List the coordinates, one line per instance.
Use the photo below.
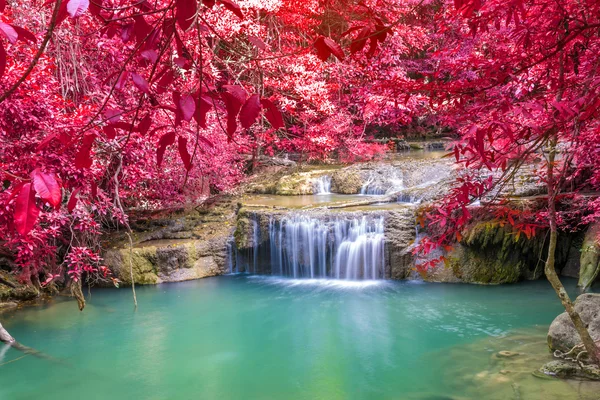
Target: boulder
(562, 334)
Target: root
(578, 354)
(78, 294)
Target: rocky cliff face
(175, 246)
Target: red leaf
(26, 212)
(145, 124)
(185, 13)
(209, 3)
(323, 51)
(76, 8)
(334, 48)
(272, 113)
(9, 32)
(203, 106)
(2, 60)
(82, 158)
(73, 200)
(47, 187)
(250, 111)
(187, 106)
(183, 153)
(234, 97)
(140, 82)
(360, 41)
(24, 34)
(109, 131)
(2, 5)
(234, 8)
(166, 140)
(164, 82)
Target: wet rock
(174, 247)
(399, 239)
(348, 180)
(567, 369)
(492, 254)
(562, 334)
(163, 261)
(12, 289)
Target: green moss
(143, 261)
(242, 227)
(492, 253)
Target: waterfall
(303, 246)
(231, 256)
(380, 184)
(322, 185)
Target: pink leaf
(26, 212)
(187, 106)
(47, 187)
(76, 8)
(140, 82)
(259, 44)
(9, 32)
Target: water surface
(253, 337)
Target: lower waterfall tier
(303, 246)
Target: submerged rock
(562, 334)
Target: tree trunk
(5, 336)
(550, 270)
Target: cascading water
(378, 184)
(322, 185)
(303, 246)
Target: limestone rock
(168, 261)
(400, 237)
(590, 257)
(562, 334)
(12, 289)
